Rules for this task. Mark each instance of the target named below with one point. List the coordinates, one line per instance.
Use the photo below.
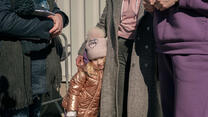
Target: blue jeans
(38, 76)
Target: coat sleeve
(102, 22)
(76, 85)
(64, 16)
(13, 25)
(200, 6)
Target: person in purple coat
(181, 33)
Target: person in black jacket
(29, 61)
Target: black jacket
(35, 28)
(15, 65)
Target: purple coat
(183, 29)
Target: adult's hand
(149, 5)
(152, 2)
(164, 4)
(79, 60)
(58, 25)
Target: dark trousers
(38, 87)
(39, 76)
(124, 56)
(31, 111)
(184, 85)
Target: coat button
(148, 28)
(146, 46)
(146, 65)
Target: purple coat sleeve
(200, 6)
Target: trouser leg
(124, 56)
(166, 84)
(34, 109)
(17, 113)
(184, 80)
(191, 85)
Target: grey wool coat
(142, 94)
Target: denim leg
(34, 109)
(39, 76)
(38, 86)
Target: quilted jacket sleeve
(76, 85)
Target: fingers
(152, 2)
(164, 4)
(58, 25)
(148, 7)
(50, 17)
(55, 27)
(158, 5)
(55, 31)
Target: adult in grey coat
(142, 98)
(29, 61)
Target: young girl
(82, 99)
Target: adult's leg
(124, 56)
(191, 84)
(16, 113)
(166, 84)
(21, 113)
(34, 109)
(38, 85)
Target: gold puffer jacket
(84, 91)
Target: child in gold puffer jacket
(82, 99)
